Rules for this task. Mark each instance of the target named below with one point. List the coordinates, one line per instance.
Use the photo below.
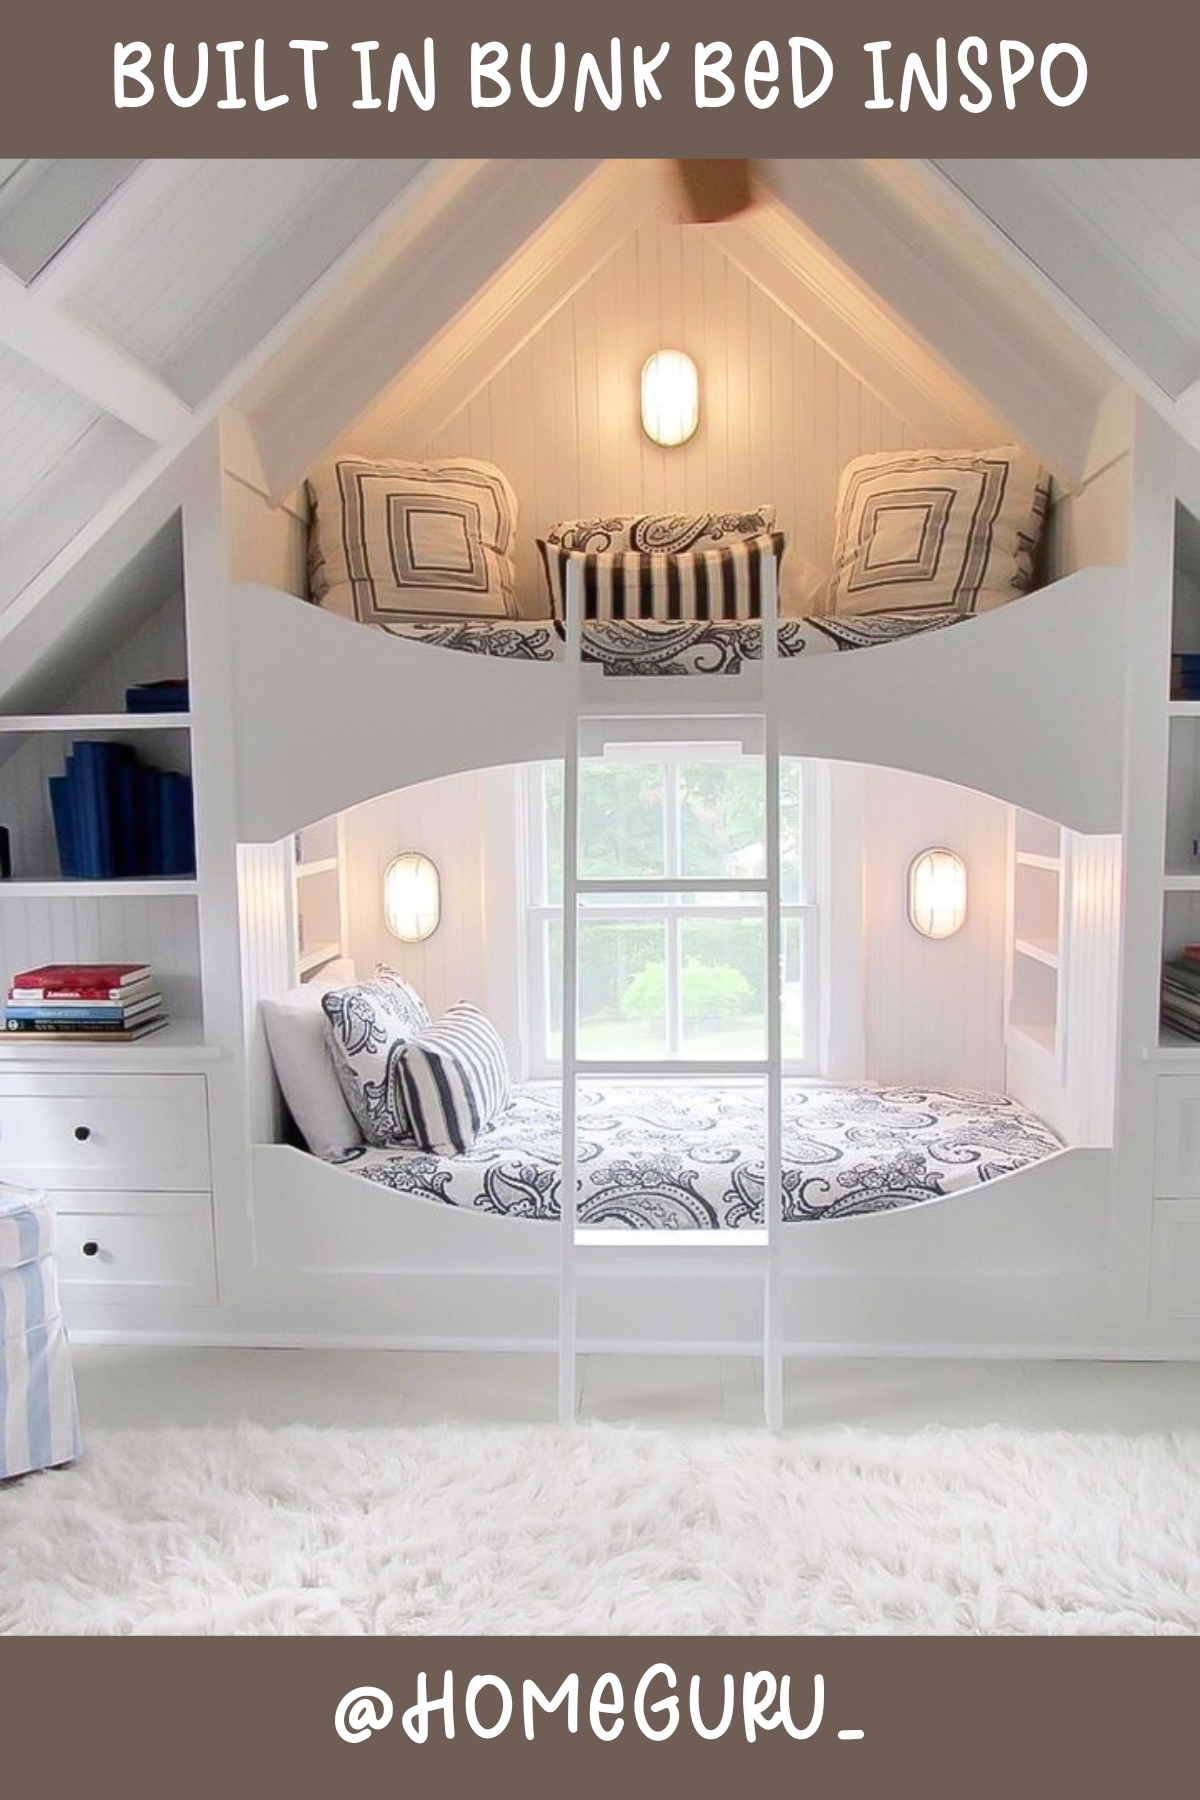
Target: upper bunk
(1025, 702)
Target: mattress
(661, 647)
(689, 1154)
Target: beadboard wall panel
(267, 923)
(469, 824)
(933, 1010)
(780, 415)
(162, 931)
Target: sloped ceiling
(138, 299)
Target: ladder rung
(662, 1067)
(673, 884)
(625, 1238)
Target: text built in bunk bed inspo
(1004, 706)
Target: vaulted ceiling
(139, 299)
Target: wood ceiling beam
(89, 364)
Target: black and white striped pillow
(721, 582)
(453, 1079)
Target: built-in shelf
(91, 722)
(1179, 882)
(1173, 1046)
(133, 887)
(181, 1042)
(1041, 1038)
(320, 953)
(1043, 950)
(1032, 859)
(325, 865)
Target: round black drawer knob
(91, 1248)
(83, 1133)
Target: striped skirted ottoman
(39, 1422)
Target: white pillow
(295, 1027)
(955, 530)
(393, 541)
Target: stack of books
(1185, 677)
(116, 816)
(1181, 992)
(85, 1003)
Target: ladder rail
(568, 1298)
(773, 1148)
(770, 1071)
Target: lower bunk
(964, 1227)
(688, 1155)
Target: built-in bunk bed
(996, 703)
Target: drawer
(135, 1249)
(1175, 1260)
(105, 1131)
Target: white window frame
(540, 915)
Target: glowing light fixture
(937, 893)
(670, 397)
(412, 897)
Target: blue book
(127, 828)
(102, 1012)
(63, 815)
(170, 695)
(149, 821)
(92, 802)
(178, 831)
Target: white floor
(150, 1387)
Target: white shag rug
(603, 1529)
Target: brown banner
(869, 78)
(936, 1717)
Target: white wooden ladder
(745, 700)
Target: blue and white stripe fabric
(454, 1080)
(39, 1421)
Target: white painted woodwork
(398, 310)
(894, 233)
(267, 929)
(1047, 740)
(73, 353)
(1175, 1260)
(780, 413)
(142, 1247)
(102, 1131)
(1115, 235)
(934, 1010)
(193, 284)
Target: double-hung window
(677, 974)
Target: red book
(78, 981)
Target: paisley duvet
(660, 647)
(689, 1154)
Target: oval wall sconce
(412, 897)
(670, 397)
(937, 893)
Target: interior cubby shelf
(178, 1043)
(95, 722)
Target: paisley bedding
(689, 1154)
(662, 647)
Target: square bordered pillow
(953, 530)
(454, 1079)
(712, 582)
(657, 533)
(392, 541)
(366, 1027)
(295, 1026)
